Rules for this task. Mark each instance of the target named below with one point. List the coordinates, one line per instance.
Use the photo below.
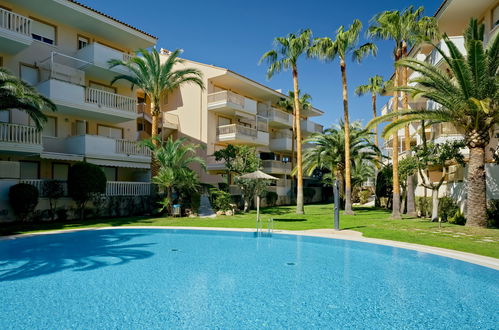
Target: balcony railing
(282, 134)
(123, 188)
(226, 96)
(237, 129)
(20, 134)
(15, 22)
(110, 100)
(131, 148)
(270, 165)
(40, 185)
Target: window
(81, 127)
(43, 32)
(110, 132)
(5, 116)
(83, 42)
(29, 170)
(495, 17)
(224, 121)
(50, 127)
(29, 74)
(60, 171)
(109, 172)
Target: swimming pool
(163, 278)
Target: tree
(435, 158)
(23, 198)
(406, 28)
(407, 169)
(375, 87)
(84, 181)
(228, 155)
(175, 158)
(157, 79)
(53, 190)
(288, 105)
(285, 55)
(468, 97)
(345, 43)
(16, 94)
(329, 154)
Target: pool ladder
(260, 230)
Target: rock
(229, 213)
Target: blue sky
(234, 34)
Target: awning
(60, 156)
(117, 163)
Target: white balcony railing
(40, 185)
(237, 129)
(131, 148)
(99, 55)
(20, 134)
(273, 165)
(226, 96)
(123, 188)
(282, 134)
(110, 100)
(15, 22)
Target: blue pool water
(157, 279)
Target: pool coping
(349, 235)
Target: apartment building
(453, 17)
(62, 47)
(234, 109)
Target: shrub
(220, 200)
(195, 202)
(308, 194)
(493, 213)
(447, 208)
(23, 198)
(271, 198)
(85, 180)
(223, 186)
(53, 190)
(423, 206)
(364, 196)
(458, 218)
(62, 214)
(384, 186)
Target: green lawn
(371, 222)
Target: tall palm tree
(16, 94)
(469, 97)
(285, 55)
(345, 43)
(406, 28)
(329, 154)
(157, 79)
(175, 158)
(375, 87)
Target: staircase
(205, 210)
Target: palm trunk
(434, 205)
(476, 215)
(348, 183)
(154, 135)
(375, 114)
(395, 156)
(299, 170)
(293, 143)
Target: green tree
(345, 43)
(84, 181)
(375, 87)
(468, 97)
(285, 55)
(157, 79)
(407, 169)
(16, 94)
(406, 29)
(175, 158)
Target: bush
(220, 200)
(493, 213)
(84, 181)
(62, 214)
(23, 198)
(308, 194)
(223, 186)
(447, 208)
(271, 198)
(423, 206)
(384, 186)
(364, 196)
(458, 218)
(53, 190)
(195, 202)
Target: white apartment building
(453, 17)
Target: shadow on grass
(290, 220)
(354, 227)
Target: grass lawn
(371, 222)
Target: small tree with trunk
(53, 190)
(85, 180)
(434, 158)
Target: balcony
(20, 138)
(113, 188)
(15, 32)
(81, 101)
(239, 134)
(281, 140)
(279, 118)
(309, 127)
(96, 57)
(276, 167)
(231, 104)
(434, 58)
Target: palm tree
(329, 154)
(375, 87)
(469, 97)
(175, 158)
(285, 55)
(406, 28)
(16, 94)
(345, 43)
(157, 79)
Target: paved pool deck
(350, 235)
